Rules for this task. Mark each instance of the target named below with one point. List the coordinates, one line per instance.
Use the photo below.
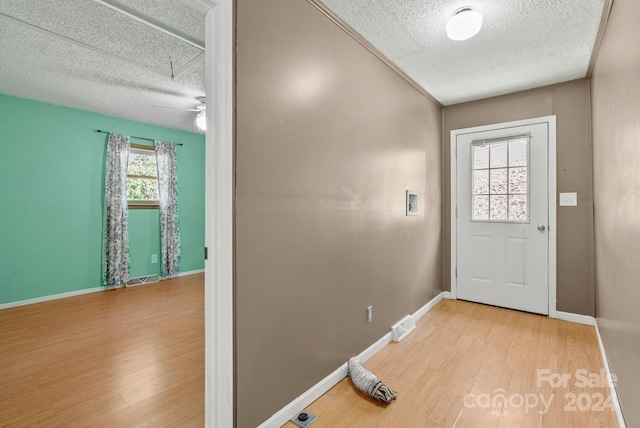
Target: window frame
(136, 203)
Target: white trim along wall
(219, 217)
(312, 394)
(610, 380)
(75, 293)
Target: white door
(502, 220)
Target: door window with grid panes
(500, 180)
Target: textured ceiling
(523, 43)
(107, 56)
(117, 57)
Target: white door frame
(551, 121)
(219, 214)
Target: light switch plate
(568, 199)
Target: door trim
(218, 292)
(552, 190)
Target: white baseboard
(78, 293)
(426, 308)
(447, 295)
(312, 394)
(577, 318)
(585, 319)
(614, 394)
(56, 296)
(191, 272)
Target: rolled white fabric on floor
(368, 383)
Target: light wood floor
(135, 357)
(462, 348)
(123, 358)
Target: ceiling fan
(201, 117)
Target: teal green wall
(51, 199)
(144, 240)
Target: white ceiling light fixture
(464, 24)
(201, 118)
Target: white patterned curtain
(168, 198)
(116, 235)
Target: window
(500, 174)
(142, 177)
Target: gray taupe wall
(328, 139)
(615, 86)
(570, 103)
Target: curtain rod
(138, 138)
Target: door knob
(541, 227)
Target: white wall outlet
(569, 199)
(154, 258)
(369, 313)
